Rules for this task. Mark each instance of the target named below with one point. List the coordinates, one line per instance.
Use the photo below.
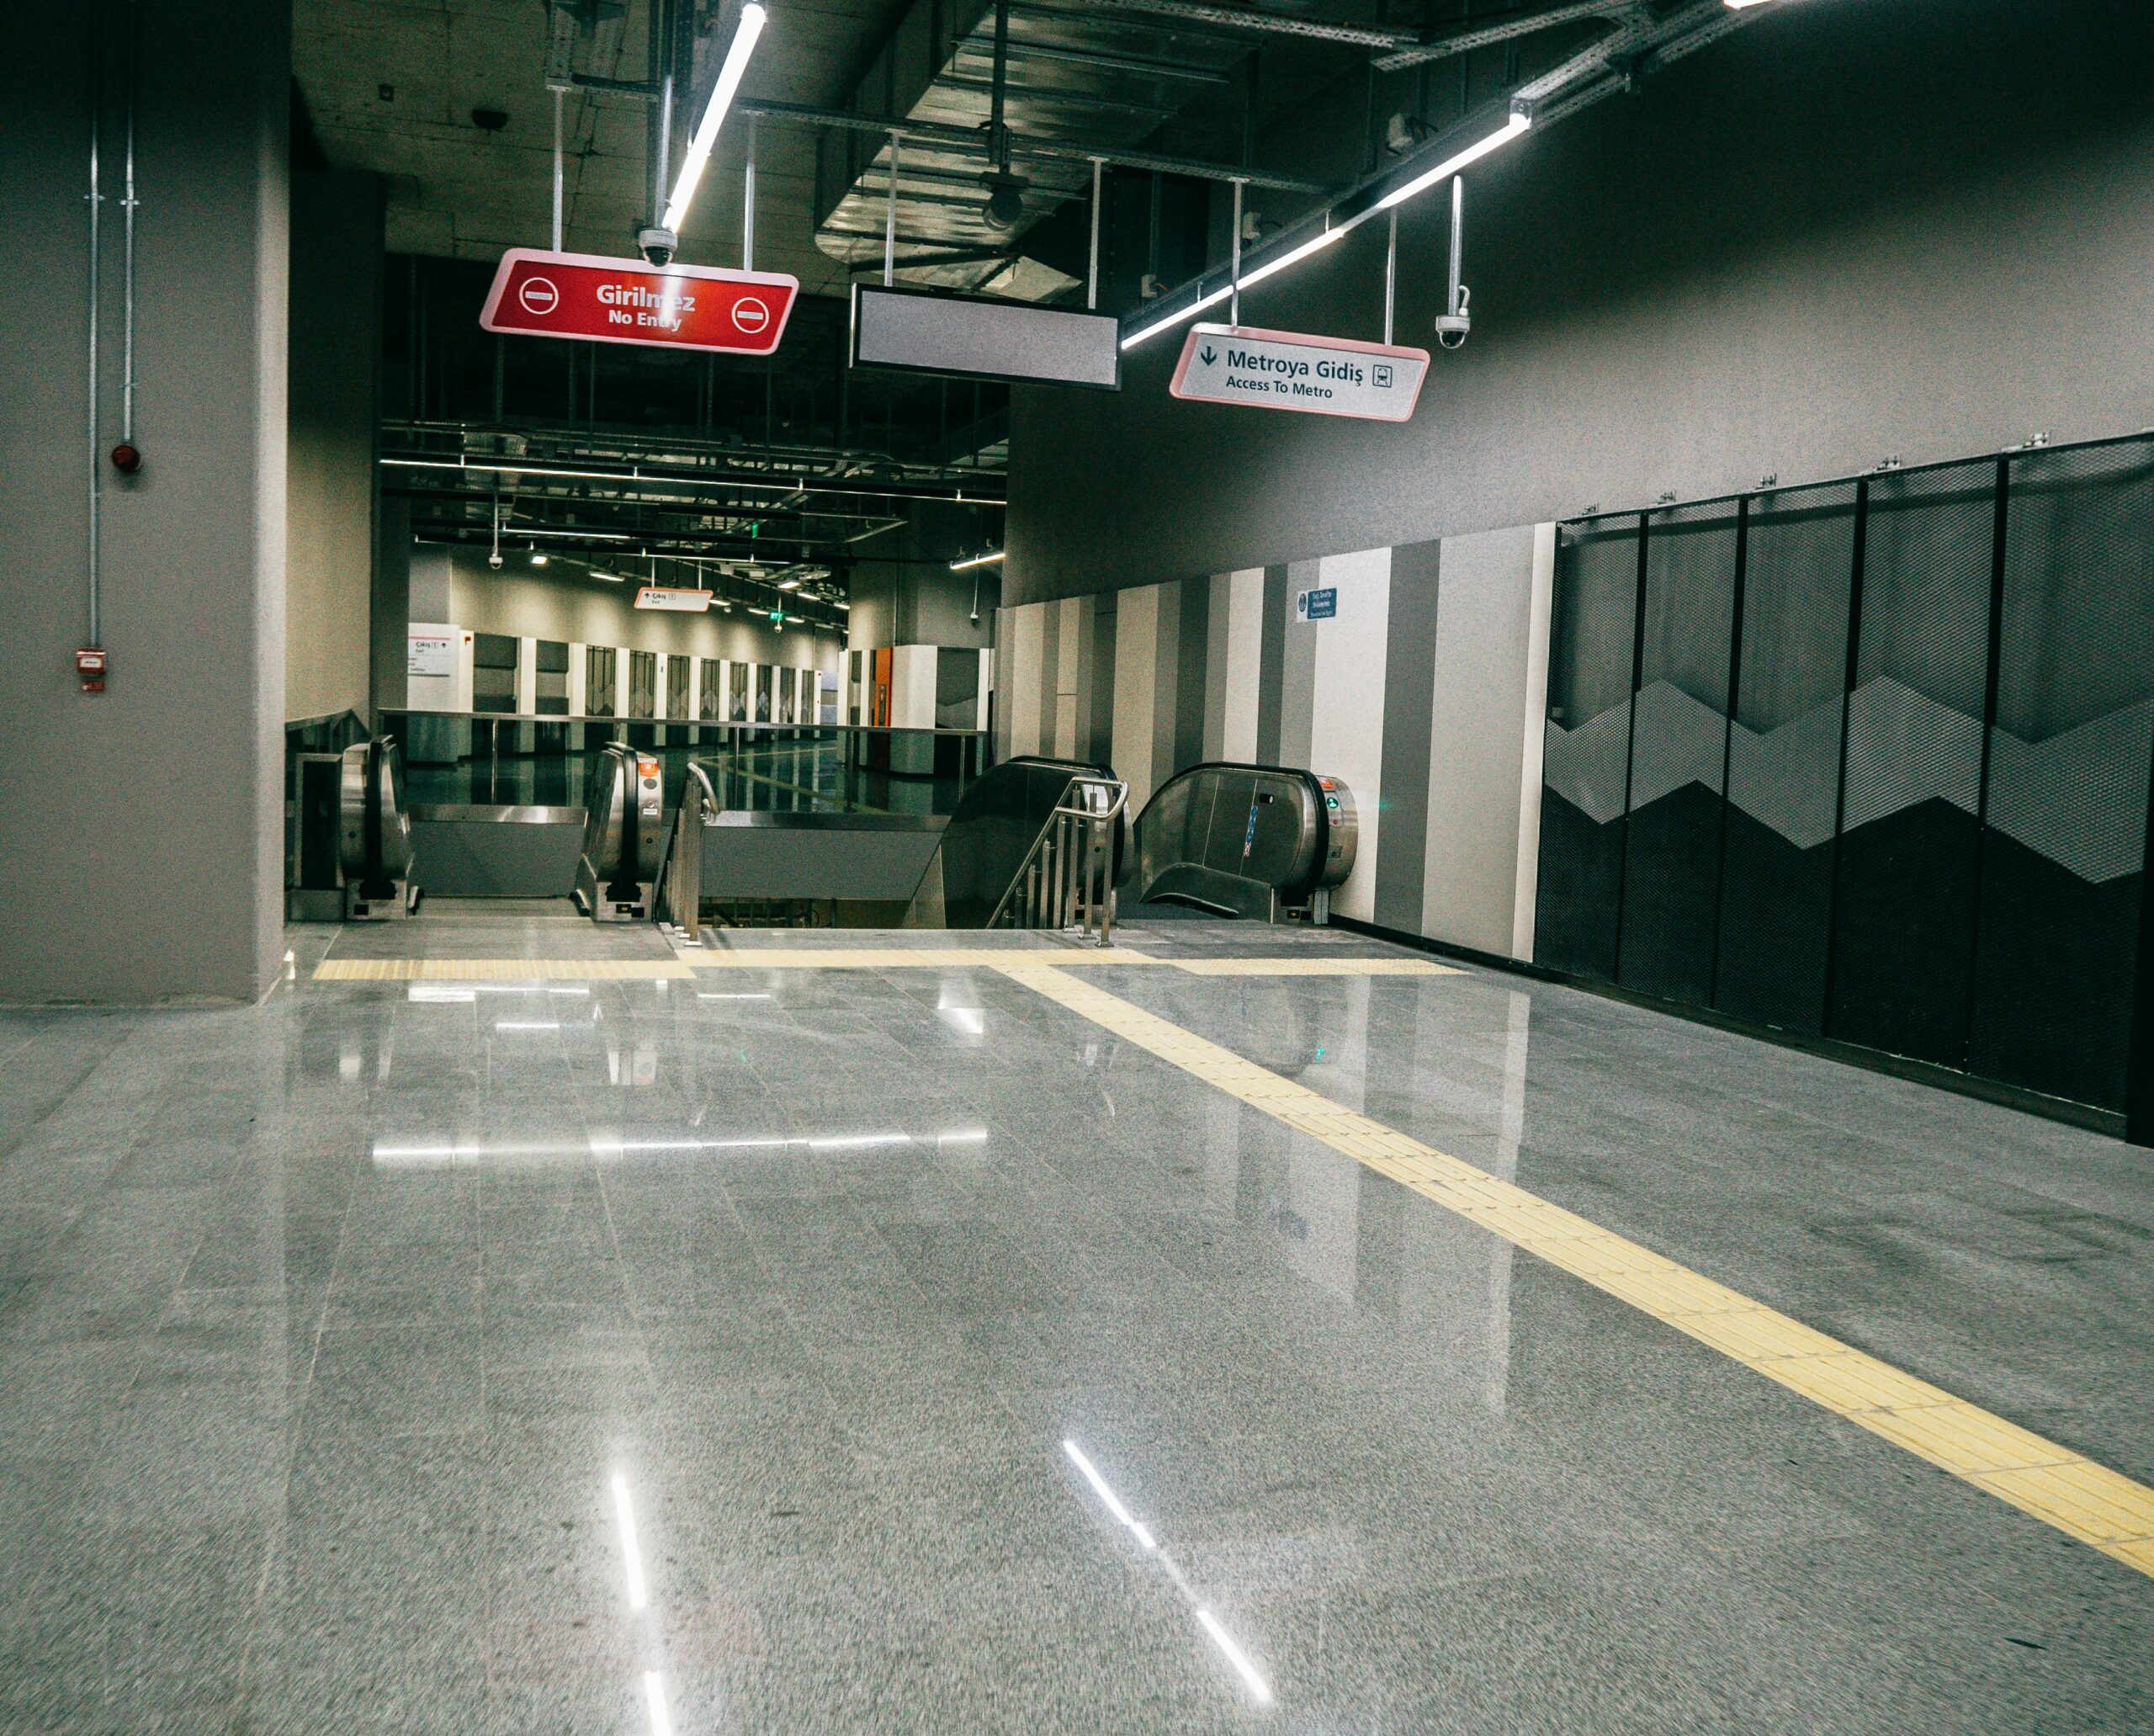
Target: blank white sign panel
(1003, 340)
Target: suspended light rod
(1336, 228)
(990, 559)
(752, 18)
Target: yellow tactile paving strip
(904, 957)
(1312, 967)
(993, 958)
(481, 970)
(2085, 1500)
(397, 970)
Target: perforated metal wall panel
(1591, 641)
(1904, 905)
(1678, 749)
(2064, 841)
(1924, 829)
(1784, 758)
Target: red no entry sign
(541, 295)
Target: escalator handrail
(1118, 800)
(690, 814)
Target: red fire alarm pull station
(89, 668)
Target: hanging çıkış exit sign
(1298, 370)
(541, 295)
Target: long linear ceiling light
(752, 18)
(1336, 226)
(1519, 122)
(988, 559)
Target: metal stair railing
(681, 891)
(1066, 881)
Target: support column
(141, 829)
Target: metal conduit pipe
(127, 271)
(96, 199)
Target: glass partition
(464, 760)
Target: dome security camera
(1006, 200)
(658, 246)
(494, 560)
(1452, 328)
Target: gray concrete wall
(332, 420)
(140, 830)
(904, 592)
(1848, 230)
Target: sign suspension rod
(1234, 269)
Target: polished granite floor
(895, 1350)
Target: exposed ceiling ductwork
(965, 119)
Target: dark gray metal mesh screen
(2065, 839)
(1592, 634)
(1678, 747)
(1784, 758)
(1903, 948)
(1930, 836)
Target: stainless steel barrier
(680, 876)
(624, 835)
(1066, 883)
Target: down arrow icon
(1205, 356)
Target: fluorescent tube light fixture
(1270, 267)
(752, 18)
(1519, 122)
(988, 559)
(1452, 165)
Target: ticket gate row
(350, 855)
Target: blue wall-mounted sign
(1316, 605)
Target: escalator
(1032, 843)
(623, 835)
(1227, 840)
(349, 857)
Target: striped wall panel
(1423, 692)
